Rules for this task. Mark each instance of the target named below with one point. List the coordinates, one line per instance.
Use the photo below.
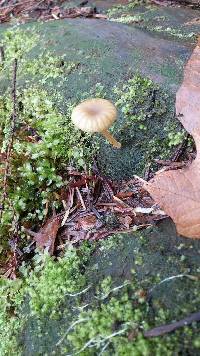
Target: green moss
(11, 297)
(64, 306)
(139, 101)
(43, 288)
(146, 108)
(127, 19)
(117, 10)
(116, 326)
(48, 66)
(18, 43)
(46, 142)
(174, 32)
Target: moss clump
(18, 43)
(144, 105)
(139, 100)
(45, 142)
(43, 288)
(11, 297)
(173, 32)
(48, 66)
(145, 110)
(66, 306)
(117, 10)
(128, 19)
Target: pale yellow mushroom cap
(94, 115)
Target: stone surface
(108, 53)
(162, 262)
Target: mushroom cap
(94, 115)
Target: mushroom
(96, 115)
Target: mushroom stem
(111, 139)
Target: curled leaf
(178, 192)
(45, 237)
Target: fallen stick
(165, 329)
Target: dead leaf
(87, 222)
(123, 195)
(163, 2)
(126, 221)
(188, 96)
(45, 238)
(10, 268)
(178, 192)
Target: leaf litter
(93, 211)
(44, 10)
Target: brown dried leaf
(87, 222)
(188, 96)
(10, 268)
(45, 238)
(124, 195)
(178, 192)
(126, 221)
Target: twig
(2, 54)
(164, 329)
(104, 296)
(147, 171)
(122, 203)
(10, 142)
(103, 234)
(32, 6)
(70, 328)
(95, 341)
(78, 293)
(81, 199)
(104, 348)
(171, 278)
(23, 2)
(65, 217)
(180, 150)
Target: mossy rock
(40, 307)
(135, 280)
(108, 54)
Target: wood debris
(44, 10)
(93, 211)
(165, 329)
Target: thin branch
(2, 54)
(81, 199)
(70, 328)
(79, 293)
(104, 348)
(171, 278)
(104, 296)
(95, 342)
(164, 329)
(10, 141)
